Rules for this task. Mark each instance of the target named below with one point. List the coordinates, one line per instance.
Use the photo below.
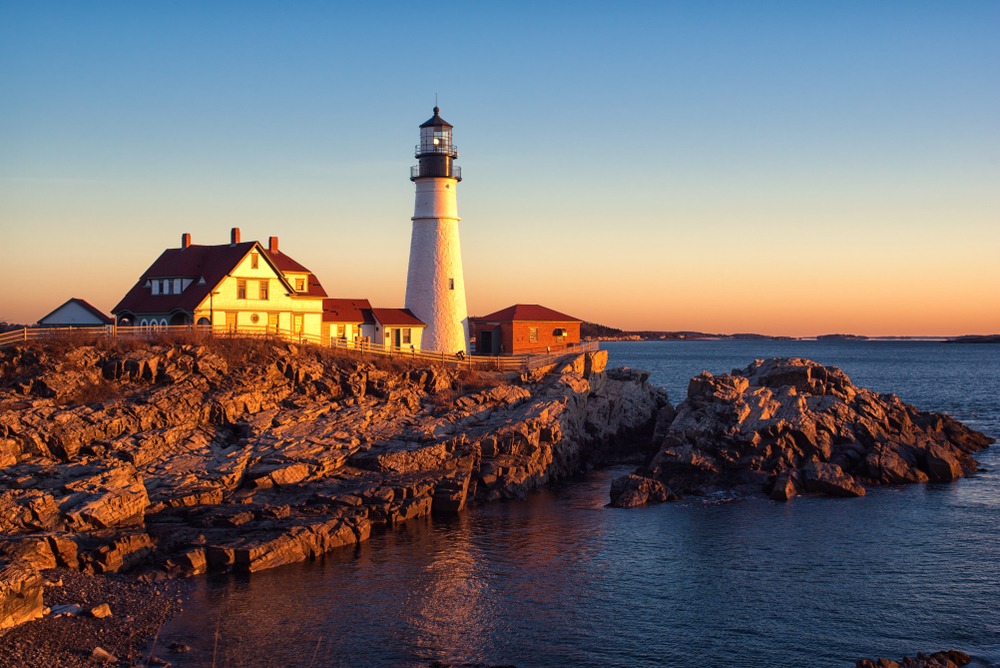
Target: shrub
(99, 392)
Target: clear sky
(790, 167)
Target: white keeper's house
(240, 286)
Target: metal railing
(360, 347)
(436, 149)
(456, 172)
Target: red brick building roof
(534, 312)
(345, 310)
(398, 317)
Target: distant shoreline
(600, 333)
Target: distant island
(988, 338)
(597, 332)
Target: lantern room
(436, 151)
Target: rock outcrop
(791, 426)
(230, 455)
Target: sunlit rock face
(791, 426)
(20, 594)
(227, 456)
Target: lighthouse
(435, 286)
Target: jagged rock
(829, 479)
(792, 426)
(633, 490)
(786, 486)
(20, 594)
(100, 611)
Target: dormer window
(300, 284)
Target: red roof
(396, 316)
(195, 262)
(344, 310)
(93, 310)
(287, 264)
(533, 312)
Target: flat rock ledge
(785, 427)
(177, 459)
(947, 659)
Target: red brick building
(521, 329)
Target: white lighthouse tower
(435, 286)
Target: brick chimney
(234, 236)
(185, 240)
(272, 244)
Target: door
(486, 343)
(231, 321)
(396, 339)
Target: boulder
(100, 611)
(829, 479)
(20, 594)
(634, 490)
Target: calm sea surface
(561, 580)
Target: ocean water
(559, 579)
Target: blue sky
(790, 168)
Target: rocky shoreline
(786, 427)
(178, 459)
(162, 461)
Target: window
(451, 283)
(254, 260)
(300, 284)
(264, 290)
(241, 288)
(532, 334)
(341, 332)
(406, 336)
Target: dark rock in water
(635, 490)
(948, 659)
(829, 479)
(790, 426)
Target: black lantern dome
(436, 151)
